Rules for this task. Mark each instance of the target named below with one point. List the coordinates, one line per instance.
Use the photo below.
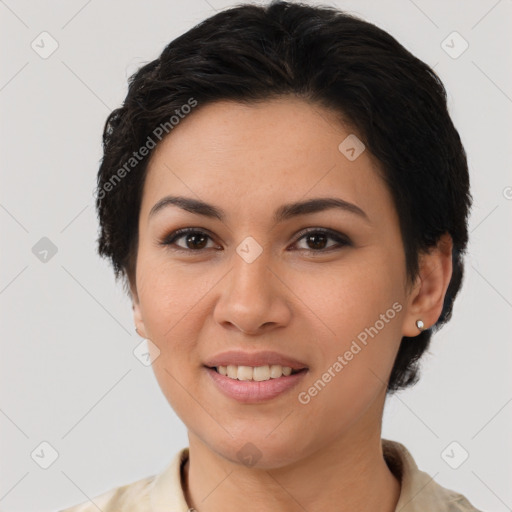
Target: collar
(419, 491)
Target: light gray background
(68, 373)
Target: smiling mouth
(255, 373)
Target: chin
(258, 452)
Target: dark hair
(393, 101)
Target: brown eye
(317, 240)
(193, 239)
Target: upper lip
(262, 358)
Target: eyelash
(341, 240)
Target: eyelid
(341, 239)
(326, 231)
(170, 239)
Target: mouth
(256, 373)
(253, 385)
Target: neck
(345, 475)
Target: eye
(317, 240)
(194, 239)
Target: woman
(286, 198)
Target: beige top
(163, 492)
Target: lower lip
(249, 392)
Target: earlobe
(137, 313)
(137, 318)
(427, 297)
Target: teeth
(258, 373)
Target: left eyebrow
(284, 212)
(290, 210)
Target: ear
(137, 313)
(425, 301)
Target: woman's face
(324, 286)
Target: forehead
(262, 154)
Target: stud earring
(420, 325)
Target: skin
(249, 160)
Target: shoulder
(419, 491)
(160, 491)
(132, 497)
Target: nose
(253, 297)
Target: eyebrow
(284, 212)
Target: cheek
(358, 330)
(346, 297)
(169, 294)
(171, 308)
